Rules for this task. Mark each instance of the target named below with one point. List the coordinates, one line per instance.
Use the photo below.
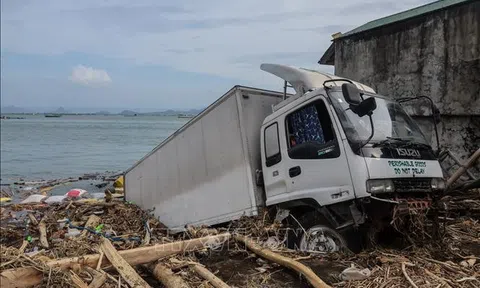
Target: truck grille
(412, 185)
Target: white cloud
(218, 37)
(89, 76)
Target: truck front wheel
(322, 239)
(312, 233)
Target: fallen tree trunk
(165, 275)
(311, 277)
(29, 276)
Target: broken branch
(312, 278)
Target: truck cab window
(272, 145)
(310, 133)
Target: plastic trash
(97, 195)
(55, 199)
(353, 273)
(76, 193)
(35, 198)
(118, 183)
(5, 199)
(72, 233)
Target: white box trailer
(205, 172)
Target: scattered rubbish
(55, 199)
(5, 199)
(72, 233)
(76, 193)
(249, 252)
(353, 273)
(35, 198)
(118, 183)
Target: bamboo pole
(463, 168)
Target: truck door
(273, 164)
(315, 163)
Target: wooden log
(124, 269)
(43, 233)
(207, 275)
(311, 277)
(463, 168)
(29, 276)
(165, 275)
(92, 222)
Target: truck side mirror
(366, 107)
(351, 94)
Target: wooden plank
(311, 277)
(124, 269)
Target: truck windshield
(390, 121)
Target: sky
(156, 54)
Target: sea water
(39, 147)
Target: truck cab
(334, 168)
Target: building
(432, 50)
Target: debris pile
(112, 243)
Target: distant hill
(13, 110)
(171, 112)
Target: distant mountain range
(62, 110)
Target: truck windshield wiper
(391, 140)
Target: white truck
(334, 155)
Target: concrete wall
(437, 55)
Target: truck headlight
(438, 184)
(380, 186)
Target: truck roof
(303, 80)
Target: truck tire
(318, 237)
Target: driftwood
(207, 275)
(165, 275)
(29, 276)
(124, 269)
(311, 277)
(43, 233)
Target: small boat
(53, 115)
(185, 116)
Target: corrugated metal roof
(431, 7)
